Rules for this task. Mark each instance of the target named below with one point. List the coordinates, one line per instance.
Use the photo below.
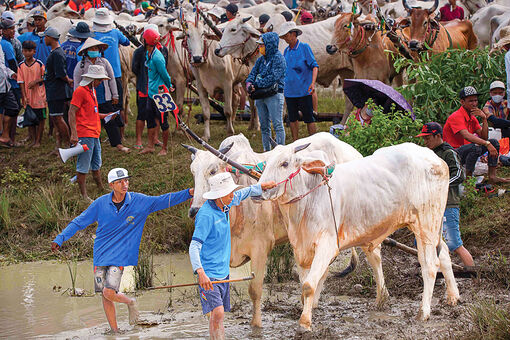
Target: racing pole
(213, 282)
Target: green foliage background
(435, 80)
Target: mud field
(34, 304)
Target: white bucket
(494, 133)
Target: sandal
(138, 146)
(7, 144)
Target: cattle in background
(399, 186)
(425, 30)
(486, 21)
(255, 228)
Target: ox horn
(433, 8)
(245, 20)
(190, 148)
(227, 148)
(209, 23)
(273, 143)
(301, 147)
(357, 15)
(406, 6)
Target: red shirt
(459, 120)
(447, 14)
(88, 123)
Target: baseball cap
(232, 8)
(264, 18)
(8, 15)
(287, 15)
(116, 174)
(497, 85)
(39, 13)
(7, 23)
(306, 17)
(52, 33)
(468, 91)
(431, 128)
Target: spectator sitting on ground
(496, 108)
(451, 11)
(459, 132)
(31, 80)
(432, 134)
(364, 115)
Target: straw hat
(102, 17)
(91, 42)
(220, 185)
(504, 35)
(289, 26)
(94, 72)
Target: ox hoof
(256, 323)
(452, 300)
(382, 301)
(422, 316)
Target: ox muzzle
(416, 46)
(217, 52)
(331, 49)
(197, 59)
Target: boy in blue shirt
(121, 218)
(209, 250)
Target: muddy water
(31, 307)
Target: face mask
(369, 112)
(93, 54)
(497, 99)
(262, 49)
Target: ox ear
(301, 147)
(251, 30)
(245, 20)
(227, 148)
(314, 167)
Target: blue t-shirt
(158, 75)
(300, 63)
(212, 230)
(119, 232)
(9, 58)
(41, 50)
(71, 49)
(113, 38)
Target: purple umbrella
(359, 90)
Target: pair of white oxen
(399, 186)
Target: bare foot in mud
(133, 312)
(163, 152)
(114, 332)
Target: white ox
(487, 20)
(239, 41)
(263, 8)
(255, 228)
(398, 186)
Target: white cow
(263, 8)
(485, 22)
(398, 186)
(255, 229)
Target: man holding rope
(121, 217)
(209, 250)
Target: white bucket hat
(220, 185)
(102, 17)
(116, 174)
(287, 27)
(94, 72)
(216, 11)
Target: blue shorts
(219, 296)
(90, 159)
(451, 232)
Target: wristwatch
(487, 143)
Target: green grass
(37, 200)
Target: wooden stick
(392, 243)
(213, 282)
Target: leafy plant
(280, 264)
(5, 217)
(19, 181)
(488, 320)
(144, 271)
(387, 129)
(435, 80)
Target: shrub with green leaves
(435, 80)
(385, 129)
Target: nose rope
(289, 179)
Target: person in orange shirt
(85, 124)
(80, 5)
(33, 92)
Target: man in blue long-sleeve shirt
(209, 250)
(121, 217)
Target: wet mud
(31, 308)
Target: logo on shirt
(203, 296)
(130, 219)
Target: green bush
(435, 80)
(388, 129)
(17, 181)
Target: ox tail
(352, 265)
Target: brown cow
(366, 47)
(425, 31)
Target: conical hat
(91, 42)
